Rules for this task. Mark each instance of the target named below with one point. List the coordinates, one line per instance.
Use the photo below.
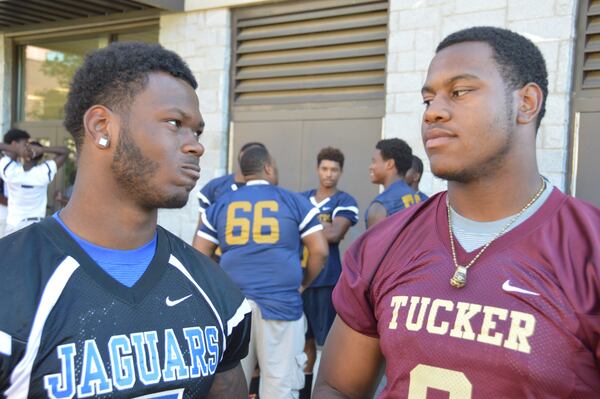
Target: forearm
(56, 150)
(324, 391)
(3, 200)
(230, 384)
(314, 265)
(9, 150)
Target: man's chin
(174, 202)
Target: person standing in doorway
(338, 211)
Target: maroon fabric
(503, 344)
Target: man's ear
(530, 99)
(390, 164)
(101, 126)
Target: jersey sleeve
(9, 169)
(308, 216)
(208, 230)
(206, 195)
(347, 208)
(238, 337)
(353, 294)
(5, 162)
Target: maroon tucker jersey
(526, 325)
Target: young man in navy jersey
(392, 158)
(338, 211)
(110, 304)
(488, 290)
(260, 228)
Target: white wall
(202, 39)
(417, 26)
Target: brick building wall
(415, 29)
(202, 39)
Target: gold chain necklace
(459, 278)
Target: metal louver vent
(591, 61)
(327, 54)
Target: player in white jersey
(27, 178)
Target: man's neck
(494, 198)
(325, 192)
(238, 177)
(107, 220)
(391, 179)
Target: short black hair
(251, 144)
(114, 75)
(254, 160)
(399, 151)
(417, 164)
(519, 60)
(331, 154)
(15, 135)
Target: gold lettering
(397, 301)
(443, 327)
(489, 324)
(462, 325)
(522, 327)
(414, 301)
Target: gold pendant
(459, 279)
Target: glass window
(47, 67)
(46, 71)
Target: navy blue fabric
(339, 204)
(396, 197)
(259, 229)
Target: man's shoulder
(203, 270)
(342, 197)
(29, 259)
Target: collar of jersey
(257, 182)
(134, 294)
(544, 214)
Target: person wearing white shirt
(27, 182)
(3, 209)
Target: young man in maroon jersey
(488, 290)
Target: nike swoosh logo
(511, 288)
(177, 301)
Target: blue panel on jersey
(125, 266)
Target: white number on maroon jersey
(454, 382)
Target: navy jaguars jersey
(69, 330)
(340, 204)
(215, 188)
(397, 196)
(259, 229)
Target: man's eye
(459, 93)
(426, 102)
(198, 133)
(174, 122)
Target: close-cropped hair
(331, 154)
(251, 144)
(417, 164)
(399, 151)
(253, 160)
(15, 135)
(519, 61)
(114, 75)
